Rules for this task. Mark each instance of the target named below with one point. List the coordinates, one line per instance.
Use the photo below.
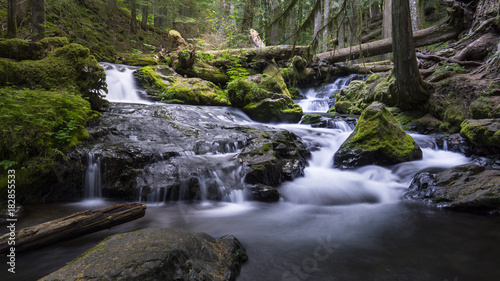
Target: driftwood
(72, 226)
(432, 35)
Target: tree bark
(22, 11)
(410, 91)
(247, 22)
(38, 19)
(387, 24)
(432, 35)
(133, 17)
(11, 19)
(72, 226)
(145, 14)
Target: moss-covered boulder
(265, 98)
(163, 84)
(273, 157)
(70, 67)
(157, 254)
(19, 49)
(485, 107)
(359, 94)
(482, 132)
(378, 139)
(468, 187)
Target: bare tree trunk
(417, 14)
(387, 24)
(133, 17)
(38, 19)
(410, 91)
(11, 19)
(22, 11)
(247, 22)
(145, 13)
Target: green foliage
(70, 67)
(236, 71)
(39, 124)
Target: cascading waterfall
(92, 188)
(320, 99)
(121, 84)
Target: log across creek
(72, 226)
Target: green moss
(372, 78)
(266, 147)
(484, 132)
(481, 108)
(151, 81)
(378, 130)
(294, 93)
(342, 107)
(19, 49)
(311, 118)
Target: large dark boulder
(468, 187)
(378, 139)
(157, 254)
(273, 157)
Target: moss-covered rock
(468, 187)
(264, 98)
(38, 127)
(19, 49)
(163, 84)
(273, 157)
(482, 132)
(70, 67)
(378, 139)
(158, 254)
(354, 98)
(485, 107)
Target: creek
(330, 224)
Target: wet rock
(468, 187)
(157, 254)
(273, 157)
(378, 139)
(157, 153)
(263, 193)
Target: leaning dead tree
(72, 226)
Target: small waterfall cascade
(92, 187)
(320, 99)
(121, 84)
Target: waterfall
(320, 99)
(121, 84)
(92, 188)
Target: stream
(330, 224)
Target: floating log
(72, 226)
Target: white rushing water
(92, 187)
(121, 84)
(319, 99)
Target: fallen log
(368, 68)
(432, 35)
(72, 226)
(279, 52)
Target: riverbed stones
(157, 254)
(468, 187)
(378, 139)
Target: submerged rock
(157, 254)
(378, 139)
(468, 187)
